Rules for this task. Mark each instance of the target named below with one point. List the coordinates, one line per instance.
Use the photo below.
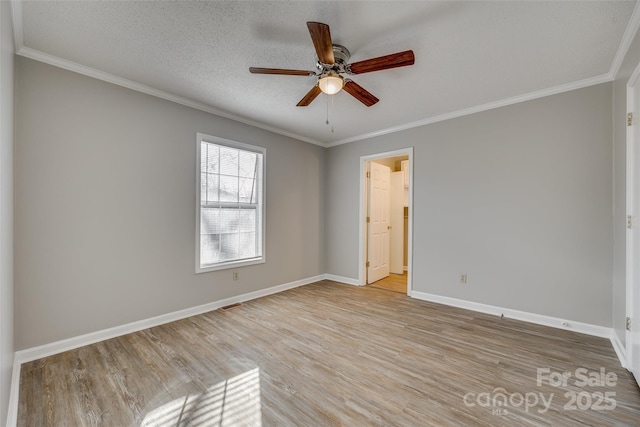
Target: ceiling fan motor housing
(341, 55)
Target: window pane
(247, 220)
(228, 246)
(229, 220)
(228, 161)
(213, 158)
(228, 188)
(203, 156)
(247, 164)
(247, 245)
(209, 249)
(212, 187)
(230, 226)
(203, 188)
(257, 187)
(246, 189)
(210, 221)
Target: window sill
(229, 265)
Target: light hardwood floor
(393, 282)
(328, 354)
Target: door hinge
(368, 219)
(629, 222)
(368, 174)
(628, 324)
(368, 264)
(629, 119)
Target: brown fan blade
(321, 38)
(309, 97)
(359, 93)
(400, 59)
(257, 70)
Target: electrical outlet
(235, 275)
(463, 278)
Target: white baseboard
(35, 353)
(619, 348)
(30, 354)
(554, 322)
(345, 280)
(39, 352)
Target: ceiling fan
(333, 61)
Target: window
(230, 206)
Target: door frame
(362, 235)
(632, 202)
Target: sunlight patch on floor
(234, 402)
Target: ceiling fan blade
(309, 97)
(257, 70)
(359, 93)
(321, 38)
(400, 59)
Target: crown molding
(20, 49)
(625, 43)
(129, 84)
(480, 108)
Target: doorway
(385, 220)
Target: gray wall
(6, 207)
(631, 61)
(519, 198)
(105, 206)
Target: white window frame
(223, 265)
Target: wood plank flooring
(328, 354)
(393, 282)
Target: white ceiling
(469, 55)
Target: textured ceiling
(468, 54)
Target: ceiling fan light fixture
(332, 61)
(331, 83)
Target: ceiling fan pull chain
(332, 109)
(327, 122)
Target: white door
(379, 222)
(633, 233)
(396, 258)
